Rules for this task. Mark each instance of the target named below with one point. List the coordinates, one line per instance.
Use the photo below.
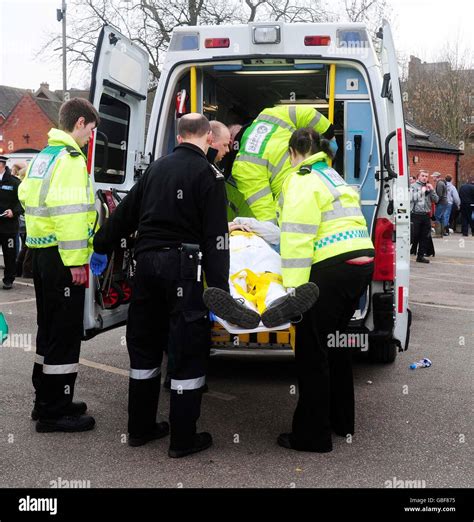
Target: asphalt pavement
(411, 425)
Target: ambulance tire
(383, 351)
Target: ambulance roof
(325, 40)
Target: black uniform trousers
(8, 243)
(60, 313)
(466, 219)
(163, 306)
(325, 382)
(421, 233)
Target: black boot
(229, 309)
(185, 409)
(54, 395)
(142, 408)
(288, 441)
(290, 305)
(422, 260)
(161, 430)
(201, 442)
(66, 423)
(73, 410)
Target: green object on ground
(3, 328)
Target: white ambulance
(226, 70)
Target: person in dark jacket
(178, 208)
(442, 207)
(466, 194)
(422, 195)
(10, 210)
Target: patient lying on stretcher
(257, 294)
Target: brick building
(26, 117)
(430, 153)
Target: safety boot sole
(290, 305)
(227, 308)
(78, 424)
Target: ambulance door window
(180, 101)
(112, 141)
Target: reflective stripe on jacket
(58, 198)
(320, 219)
(263, 162)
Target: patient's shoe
(229, 309)
(290, 305)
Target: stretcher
(255, 278)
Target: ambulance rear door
(116, 158)
(396, 185)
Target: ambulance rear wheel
(383, 352)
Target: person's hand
(429, 186)
(98, 263)
(79, 275)
(8, 213)
(236, 226)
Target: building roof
(9, 97)
(50, 108)
(419, 138)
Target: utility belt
(190, 260)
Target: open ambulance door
(115, 159)
(396, 186)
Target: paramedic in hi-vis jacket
(58, 198)
(324, 239)
(263, 160)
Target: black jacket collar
(190, 146)
(7, 174)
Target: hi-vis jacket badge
(40, 165)
(333, 177)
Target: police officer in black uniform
(179, 209)
(10, 210)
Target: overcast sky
(421, 27)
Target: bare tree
(369, 12)
(438, 94)
(150, 23)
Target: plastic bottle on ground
(422, 363)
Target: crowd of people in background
(438, 206)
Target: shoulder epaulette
(305, 169)
(72, 151)
(216, 172)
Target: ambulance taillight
(384, 263)
(216, 43)
(317, 41)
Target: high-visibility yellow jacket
(321, 220)
(263, 161)
(58, 198)
(236, 204)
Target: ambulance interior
(234, 93)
